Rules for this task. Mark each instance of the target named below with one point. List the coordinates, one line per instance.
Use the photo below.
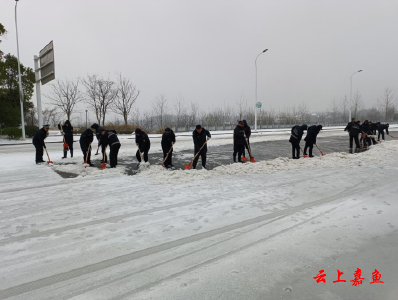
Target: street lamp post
(19, 74)
(86, 118)
(255, 105)
(349, 117)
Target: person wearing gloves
(86, 138)
(95, 126)
(38, 142)
(380, 129)
(109, 137)
(199, 139)
(143, 143)
(354, 133)
(248, 133)
(310, 139)
(67, 131)
(295, 138)
(168, 140)
(239, 141)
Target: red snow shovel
(85, 163)
(250, 152)
(103, 165)
(188, 166)
(167, 155)
(303, 152)
(320, 150)
(394, 137)
(49, 161)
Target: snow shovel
(394, 137)
(66, 146)
(97, 150)
(103, 165)
(250, 152)
(85, 164)
(49, 161)
(167, 155)
(303, 152)
(188, 166)
(320, 150)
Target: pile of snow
(380, 152)
(81, 170)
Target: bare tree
(50, 116)
(193, 114)
(65, 95)
(159, 106)
(241, 107)
(92, 96)
(387, 103)
(344, 108)
(334, 110)
(126, 96)
(302, 114)
(180, 110)
(357, 104)
(107, 95)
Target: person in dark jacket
(38, 142)
(67, 131)
(199, 139)
(95, 126)
(168, 140)
(86, 138)
(348, 127)
(143, 143)
(310, 139)
(109, 137)
(365, 130)
(380, 129)
(373, 127)
(248, 133)
(372, 131)
(239, 140)
(354, 133)
(295, 138)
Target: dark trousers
(238, 149)
(84, 150)
(70, 149)
(103, 150)
(310, 146)
(295, 150)
(355, 138)
(202, 154)
(367, 141)
(144, 154)
(39, 153)
(245, 147)
(169, 158)
(113, 154)
(382, 135)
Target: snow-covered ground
(242, 231)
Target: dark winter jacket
(297, 133)
(168, 138)
(200, 138)
(355, 129)
(109, 138)
(97, 134)
(373, 128)
(142, 140)
(247, 129)
(38, 139)
(365, 127)
(86, 138)
(239, 135)
(383, 127)
(348, 127)
(312, 133)
(68, 132)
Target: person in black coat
(38, 142)
(199, 136)
(295, 138)
(168, 140)
(109, 137)
(354, 133)
(95, 126)
(380, 129)
(67, 131)
(365, 130)
(239, 141)
(372, 131)
(348, 127)
(86, 138)
(143, 143)
(373, 127)
(310, 139)
(248, 133)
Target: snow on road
(251, 231)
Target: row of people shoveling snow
(241, 135)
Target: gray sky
(205, 50)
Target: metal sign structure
(44, 74)
(258, 104)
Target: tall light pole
(19, 73)
(255, 104)
(86, 118)
(349, 117)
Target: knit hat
(198, 127)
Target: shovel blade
(103, 166)
(50, 162)
(252, 159)
(245, 159)
(305, 156)
(188, 166)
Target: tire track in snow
(57, 278)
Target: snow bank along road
(251, 231)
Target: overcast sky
(205, 50)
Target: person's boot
(65, 154)
(71, 153)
